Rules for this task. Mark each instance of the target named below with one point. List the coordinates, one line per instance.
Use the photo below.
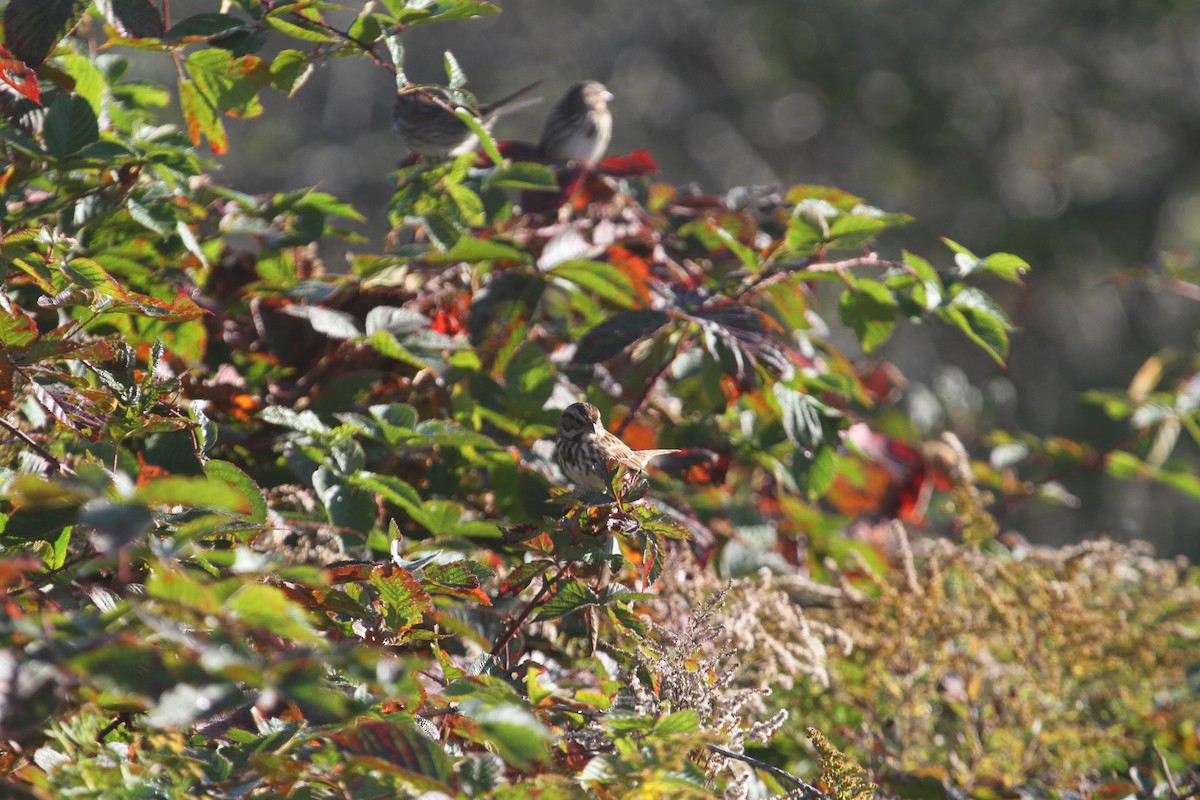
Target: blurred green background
(1066, 132)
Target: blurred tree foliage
(274, 530)
(1064, 131)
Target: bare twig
(808, 789)
(807, 265)
(37, 448)
(369, 49)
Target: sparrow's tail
(517, 100)
(644, 456)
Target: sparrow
(588, 453)
(579, 126)
(425, 119)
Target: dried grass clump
(978, 668)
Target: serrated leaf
(403, 599)
(238, 481)
(269, 608)
(202, 120)
(398, 745)
(137, 19)
(71, 125)
(600, 279)
(569, 596)
(199, 27)
(871, 320)
(614, 335)
(228, 84)
(33, 27)
(289, 71)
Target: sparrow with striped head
(588, 453)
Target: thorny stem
(808, 789)
(525, 612)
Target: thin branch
(46, 576)
(808, 789)
(369, 49)
(525, 612)
(769, 278)
(37, 448)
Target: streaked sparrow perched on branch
(579, 126)
(425, 119)
(588, 453)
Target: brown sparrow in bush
(588, 453)
(425, 119)
(579, 126)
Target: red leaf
(398, 744)
(636, 164)
(634, 267)
(19, 76)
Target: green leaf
(403, 599)
(229, 84)
(614, 335)
(513, 731)
(202, 119)
(305, 33)
(346, 505)
(269, 608)
(70, 126)
(89, 80)
(395, 491)
(984, 322)
(525, 175)
(871, 318)
(191, 493)
(137, 19)
(238, 481)
(685, 721)
(203, 26)
(397, 745)
(600, 279)
(17, 329)
(33, 27)
(814, 471)
(803, 416)
(529, 378)
(570, 595)
(289, 71)
(471, 250)
(45, 524)
(1007, 266)
(179, 587)
(932, 290)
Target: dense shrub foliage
(276, 530)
